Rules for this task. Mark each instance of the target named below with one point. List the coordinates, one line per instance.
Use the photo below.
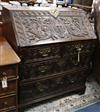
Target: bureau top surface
(33, 26)
(7, 54)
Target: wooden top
(7, 54)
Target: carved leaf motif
(39, 26)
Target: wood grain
(7, 54)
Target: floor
(92, 108)
(74, 102)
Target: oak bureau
(56, 47)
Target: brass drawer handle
(42, 69)
(45, 52)
(72, 81)
(76, 61)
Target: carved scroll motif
(75, 26)
(37, 26)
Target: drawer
(83, 46)
(7, 103)
(38, 53)
(39, 89)
(34, 90)
(53, 67)
(9, 71)
(38, 70)
(12, 86)
(79, 53)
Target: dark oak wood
(56, 51)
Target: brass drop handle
(45, 52)
(42, 69)
(79, 51)
(77, 59)
(40, 87)
(72, 81)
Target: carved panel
(69, 56)
(40, 53)
(55, 51)
(51, 86)
(38, 27)
(78, 52)
(42, 69)
(85, 46)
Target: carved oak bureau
(56, 47)
(8, 77)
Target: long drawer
(70, 55)
(47, 68)
(34, 90)
(50, 51)
(39, 53)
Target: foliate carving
(44, 87)
(52, 85)
(40, 53)
(67, 56)
(56, 66)
(78, 52)
(33, 27)
(86, 47)
(75, 26)
(36, 70)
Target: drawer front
(7, 103)
(35, 90)
(9, 71)
(37, 70)
(11, 88)
(53, 67)
(80, 54)
(83, 47)
(38, 53)
(45, 68)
